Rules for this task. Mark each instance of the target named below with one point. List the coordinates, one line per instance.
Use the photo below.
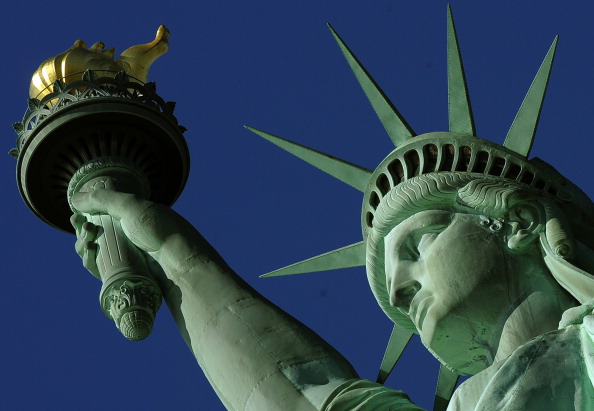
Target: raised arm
(255, 355)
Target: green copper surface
(350, 256)
(459, 108)
(449, 158)
(446, 383)
(349, 173)
(399, 339)
(394, 123)
(466, 243)
(521, 133)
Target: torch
(104, 129)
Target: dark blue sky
(275, 66)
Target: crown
(456, 153)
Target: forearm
(255, 355)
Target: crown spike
(346, 257)
(459, 108)
(446, 383)
(394, 123)
(398, 341)
(348, 173)
(523, 129)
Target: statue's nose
(403, 296)
(403, 285)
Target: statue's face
(453, 277)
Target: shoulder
(547, 372)
(365, 395)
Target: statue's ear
(525, 221)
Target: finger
(83, 203)
(90, 231)
(85, 233)
(77, 220)
(83, 244)
(89, 257)
(79, 246)
(103, 201)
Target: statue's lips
(418, 309)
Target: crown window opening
(440, 159)
(497, 167)
(430, 157)
(472, 160)
(383, 184)
(369, 219)
(527, 178)
(552, 191)
(396, 171)
(464, 157)
(413, 162)
(480, 163)
(546, 186)
(505, 167)
(374, 200)
(456, 157)
(513, 171)
(448, 153)
(540, 184)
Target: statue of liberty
(486, 254)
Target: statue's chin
(468, 361)
(459, 348)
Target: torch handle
(116, 255)
(129, 295)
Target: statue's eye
(415, 245)
(426, 240)
(409, 250)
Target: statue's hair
(463, 193)
(494, 198)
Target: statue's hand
(85, 246)
(127, 208)
(154, 228)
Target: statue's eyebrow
(429, 220)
